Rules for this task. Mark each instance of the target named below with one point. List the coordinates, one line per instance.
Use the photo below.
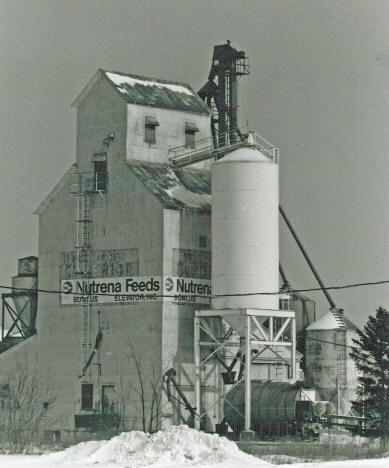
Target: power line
(209, 296)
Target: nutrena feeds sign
(134, 290)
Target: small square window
(284, 304)
(150, 135)
(202, 242)
(100, 176)
(151, 123)
(190, 134)
(190, 141)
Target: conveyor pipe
(308, 260)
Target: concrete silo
(329, 366)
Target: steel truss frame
(253, 335)
(16, 317)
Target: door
(108, 399)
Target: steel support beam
(294, 376)
(197, 395)
(249, 324)
(247, 376)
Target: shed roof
(188, 188)
(146, 91)
(332, 320)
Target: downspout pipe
(308, 260)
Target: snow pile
(345, 438)
(178, 445)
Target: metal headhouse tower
(221, 92)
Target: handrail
(205, 148)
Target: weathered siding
(170, 132)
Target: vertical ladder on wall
(83, 266)
(341, 361)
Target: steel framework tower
(221, 92)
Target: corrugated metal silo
(328, 365)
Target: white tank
(24, 304)
(245, 238)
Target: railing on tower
(207, 148)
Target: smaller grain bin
(328, 364)
(24, 295)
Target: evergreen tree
(371, 356)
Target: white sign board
(134, 290)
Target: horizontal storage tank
(271, 402)
(245, 239)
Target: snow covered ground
(177, 447)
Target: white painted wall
(170, 132)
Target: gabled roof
(145, 91)
(188, 188)
(332, 320)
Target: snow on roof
(157, 93)
(153, 92)
(188, 188)
(120, 80)
(332, 320)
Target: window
(284, 304)
(151, 123)
(190, 134)
(202, 242)
(101, 176)
(87, 396)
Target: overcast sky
(318, 90)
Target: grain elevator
(158, 281)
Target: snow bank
(178, 445)
(346, 438)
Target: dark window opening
(87, 396)
(202, 242)
(190, 134)
(190, 140)
(101, 176)
(284, 304)
(151, 123)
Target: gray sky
(316, 90)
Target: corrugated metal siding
(189, 188)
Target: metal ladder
(341, 358)
(83, 266)
(279, 367)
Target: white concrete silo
(245, 238)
